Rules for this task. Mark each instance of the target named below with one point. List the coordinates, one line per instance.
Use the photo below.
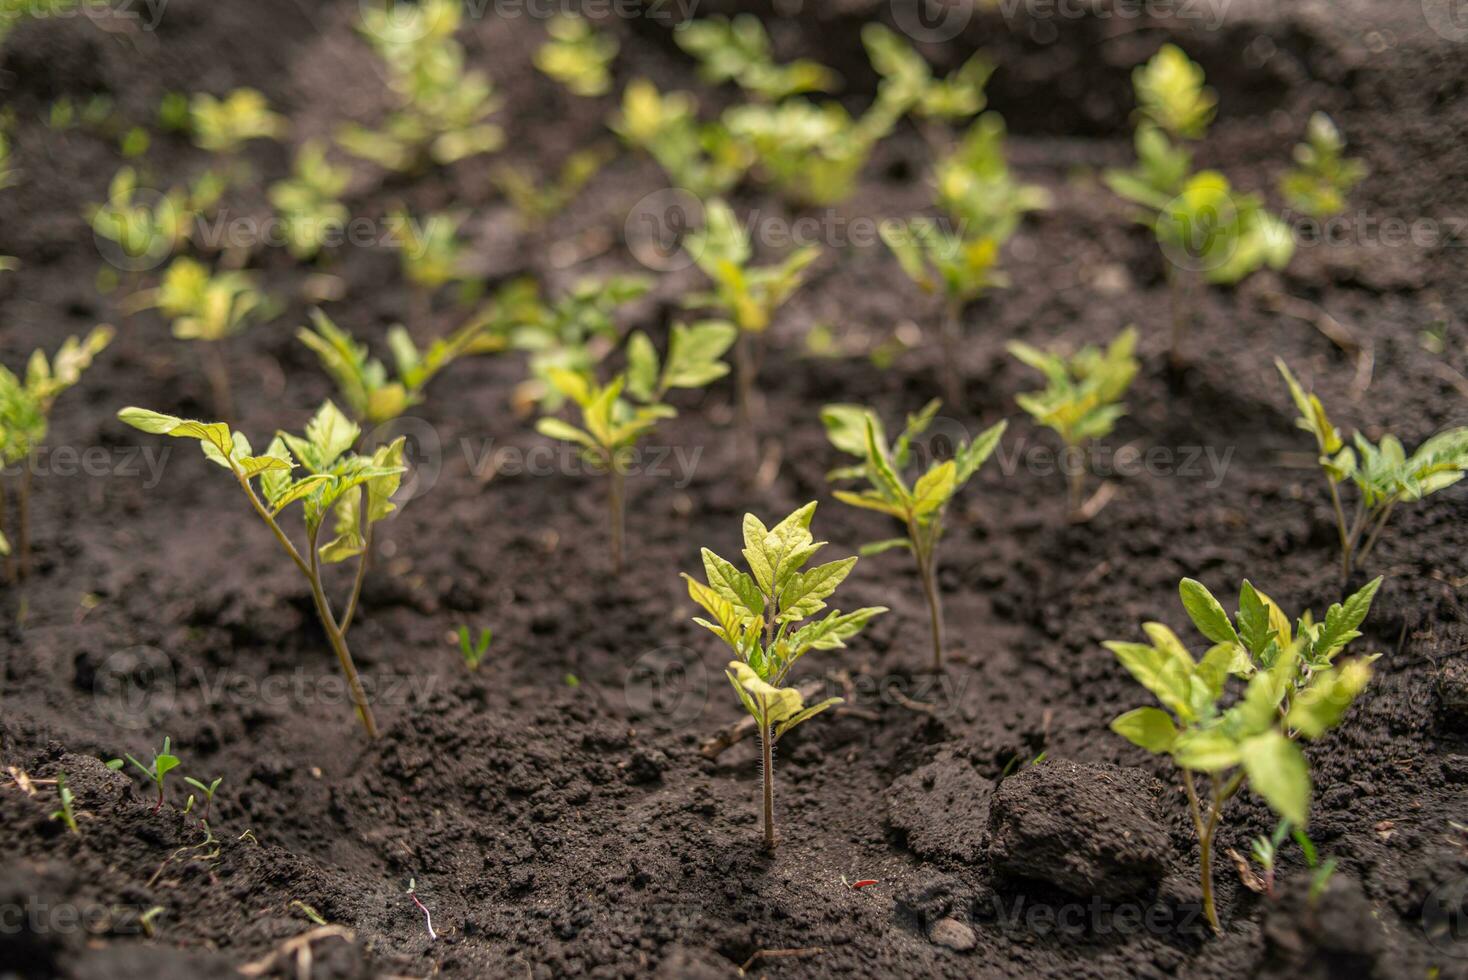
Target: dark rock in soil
(691, 963)
(1086, 829)
(943, 808)
(1452, 694)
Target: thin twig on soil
(774, 954)
(297, 948)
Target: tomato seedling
(1081, 400)
(612, 424)
(700, 158)
(738, 50)
(335, 483)
(921, 508)
(1384, 474)
(577, 55)
(756, 613)
(25, 419)
(1295, 689)
(309, 201)
(1322, 177)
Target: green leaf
(1342, 620)
(348, 542)
(330, 433)
(804, 715)
(1150, 728)
(1254, 631)
(846, 428)
(934, 488)
(877, 547)
(1206, 612)
(214, 435)
(642, 368)
(774, 704)
(380, 489)
(870, 500)
(972, 456)
(566, 432)
(1278, 772)
(883, 476)
(694, 353)
(1322, 705)
(802, 595)
(1159, 673)
(1205, 750)
(781, 552)
(733, 585)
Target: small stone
(646, 766)
(953, 934)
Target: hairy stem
(927, 562)
(617, 512)
(1340, 520)
(363, 560)
(949, 334)
(1205, 845)
(1386, 514)
(10, 558)
(767, 747)
(1076, 489)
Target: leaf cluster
(1295, 689)
(577, 55)
(758, 614)
(223, 125)
(25, 403)
(143, 230)
(858, 431)
(739, 50)
(958, 96)
(1171, 94)
(1229, 234)
(701, 158)
(1322, 176)
(204, 306)
(748, 296)
(1082, 396)
(309, 201)
(810, 153)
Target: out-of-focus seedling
(934, 100)
(536, 203)
(1322, 177)
(701, 158)
(224, 125)
(354, 490)
(473, 652)
(758, 614)
(739, 50)
(1384, 474)
(25, 418)
(858, 431)
(1295, 690)
(207, 790)
(1081, 399)
(612, 425)
(577, 55)
(67, 813)
(432, 255)
(309, 201)
(145, 230)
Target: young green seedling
(207, 789)
(577, 55)
(536, 203)
(210, 309)
(334, 485)
(1295, 689)
(224, 125)
(613, 425)
(1081, 399)
(747, 296)
(157, 771)
(1322, 177)
(934, 101)
(1384, 474)
(362, 380)
(25, 418)
(958, 259)
(858, 431)
(473, 653)
(66, 814)
(757, 613)
(432, 256)
(1201, 224)
(443, 111)
(700, 158)
(145, 231)
(739, 50)
(309, 201)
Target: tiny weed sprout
(335, 483)
(207, 790)
(1081, 399)
(757, 614)
(701, 158)
(747, 296)
(1384, 474)
(1322, 177)
(739, 51)
(613, 425)
(536, 203)
(362, 380)
(66, 814)
(959, 259)
(443, 111)
(1201, 224)
(473, 652)
(207, 308)
(25, 418)
(224, 125)
(858, 431)
(577, 55)
(1295, 689)
(157, 771)
(309, 201)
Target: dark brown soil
(553, 809)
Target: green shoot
(1384, 474)
(207, 308)
(1295, 690)
(703, 159)
(25, 413)
(1322, 177)
(473, 653)
(757, 614)
(537, 203)
(960, 263)
(309, 201)
(748, 297)
(157, 771)
(739, 50)
(1081, 400)
(362, 380)
(1201, 224)
(959, 96)
(920, 508)
(577, 55)
(811, 154)
(207, 789)
(224, 125)
(66, 814)
(612, 425)
(443, 110)
(332, 487)
(145, 232)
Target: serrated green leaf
(1206, 612)
(1278, 772)
(1342, 620)
(1149, 728)
(733, 585)
(1205, 750)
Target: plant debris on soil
(552, 811)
